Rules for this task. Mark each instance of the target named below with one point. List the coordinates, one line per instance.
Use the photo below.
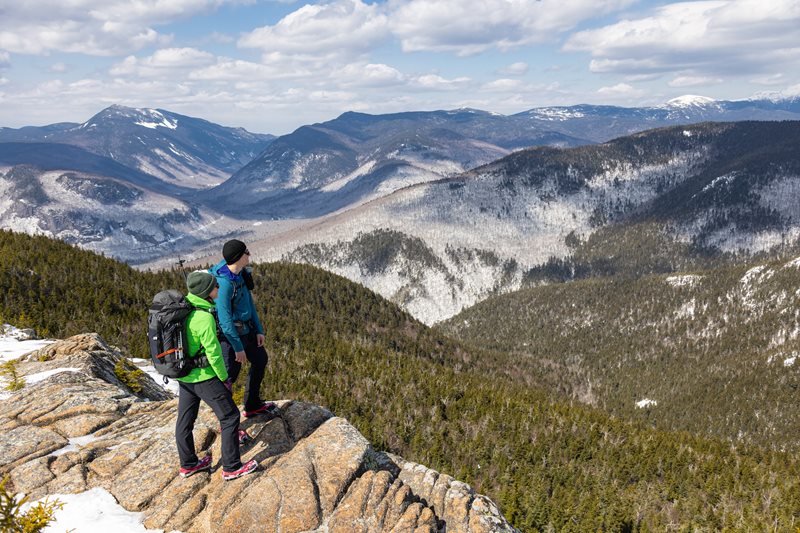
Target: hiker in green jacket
(209, 383)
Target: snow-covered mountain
(322, 168)
(600, 123)
(352, 165)
(179, 150)
(357, 157)
(121, 183)
(101, 213)
(438, 247)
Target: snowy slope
(180, 150)
(102, 214)
(455, 242)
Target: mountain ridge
(544, 204)
(177, 149)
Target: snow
(140, 233)
(163, 123)
(687, 280)
(93, 511)
(790, 361)
(759, 273)
(41, 376)
(145, 366)
(12, 348)
(646, 402)
(74, 444)
(687, 310)
(781, 194)
(556, 113)
(527, 224)
(341, 182)
(720, 180)
(690, 100)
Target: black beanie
(233, 250)
(200, 283)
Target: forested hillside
(550, 464)
(711, 352)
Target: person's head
(236, 253)
(202, 284)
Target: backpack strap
(199, 359)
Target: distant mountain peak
(775, 96)
(156, 119)
(690, 100)
(469, 110)
(145, 117)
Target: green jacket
(201, 330)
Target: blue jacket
(234, 304)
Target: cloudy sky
(274, 65)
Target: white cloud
(514, 69)
(502, 85)
(621, 90)
(694, 81)
(339, 28)
(93, 27)
(5, 59)
(163, 62)
(3, 81)
(702, 39)
(229, 69)
(773, 79)
(368, 75)
(438, 83)
(643, 77)
(331, 96)
(58, 68)
(148, 11)
(794, 90)
(466, 27)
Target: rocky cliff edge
(93, 421)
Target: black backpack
(166, 328)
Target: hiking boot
(246, 468)
(202, 464)
(264, 409)
(244, 438)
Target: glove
(228, 385)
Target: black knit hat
(233, 250)
(200, 283)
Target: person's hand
(260, 340)
(240, 357)
(228, 385)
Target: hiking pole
(180, 263)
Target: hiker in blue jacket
(243, 334)
(210, 384)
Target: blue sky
(271, 66)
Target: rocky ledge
(95, 422)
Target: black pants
(257, 356)
(214, 393)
